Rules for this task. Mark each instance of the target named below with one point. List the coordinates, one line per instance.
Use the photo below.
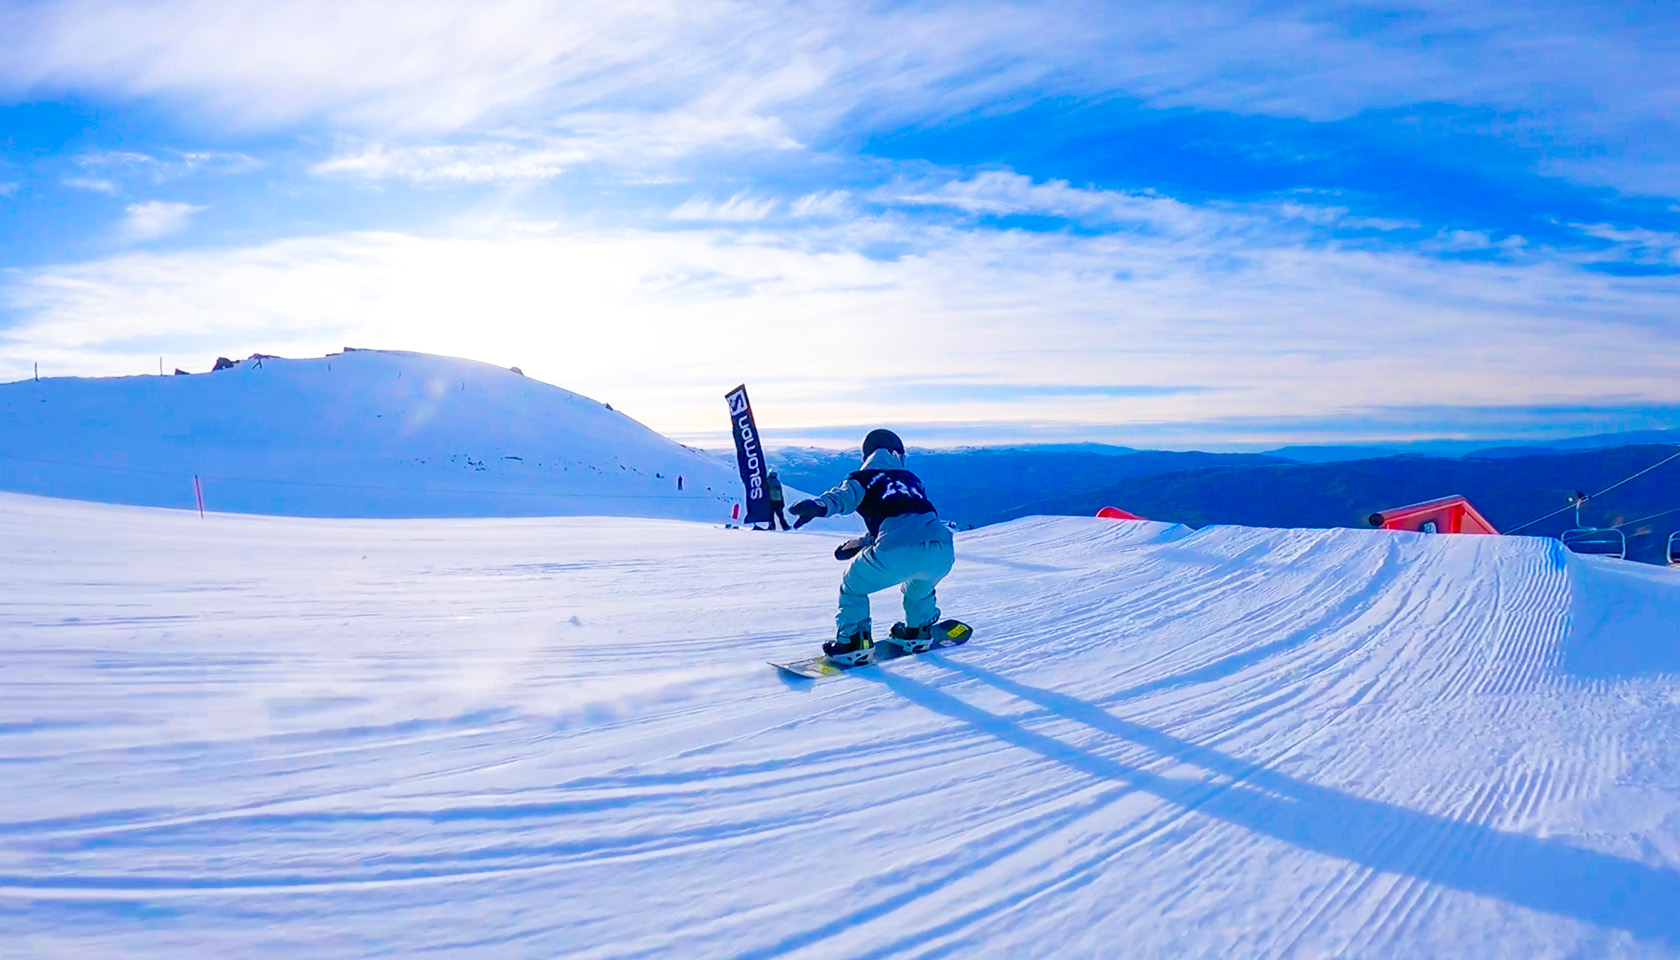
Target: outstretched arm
(842, 499)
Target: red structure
(1446, 515)
(1115, 513)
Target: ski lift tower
(1595, 541)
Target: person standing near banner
(773, 490)
(907, 545)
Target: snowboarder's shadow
(1540, 874)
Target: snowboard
(946, 633)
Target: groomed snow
(271, 737)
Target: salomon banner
(749, 454)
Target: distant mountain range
(981, 485)
(1472, 448)
(1509, 484)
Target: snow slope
(368, 433)
(269, 737)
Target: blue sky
(1233, 224)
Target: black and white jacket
(891, 501)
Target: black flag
(749, 454)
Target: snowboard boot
(913, 639)
(855, 650)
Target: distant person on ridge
(773, 489)
(907, 545)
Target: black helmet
(882, 439)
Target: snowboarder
(773, 490)
(907, 545)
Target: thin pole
(198, 491)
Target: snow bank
(270, 737)
(360, 434)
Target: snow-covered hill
(359, 434)
(274, 737)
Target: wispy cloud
(175, 165)
(9, 188)
(630, 141)
(155, 219)
(111, 172)
(1005, 193)
(115, 158)
(476, 163)
(824, 203)
(738, 208)
(93, 184)
(1636, 245)
(1459, 241)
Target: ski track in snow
(257, 737)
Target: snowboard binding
(945, 633)
(854, 651)
(913, 639)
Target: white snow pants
(917, 566)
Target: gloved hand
(805, 511)
(850, 548)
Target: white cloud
(739, 208)
(108, 169)
(1002, 193)
(477, 163)
(9, 188)
(176, 165)
(1636, 245)
(1459, 241)
(824, 203)
(1379, 223)
(216, 161)
(115, 158)
(627, 141)
(1269, 323)
(94, 184)
(156, 218)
